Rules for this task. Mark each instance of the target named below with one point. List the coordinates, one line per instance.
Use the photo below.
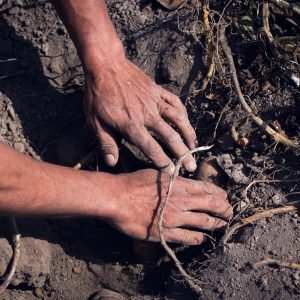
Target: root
(266, 26)
(277, 262)
(287, 6)
(210, 47)
(189, 279)
(278, 137)
(15, 258)
(293, 206)
(85, 160)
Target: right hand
(194, 207)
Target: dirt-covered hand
(120, 97)
(193, 207)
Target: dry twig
(278, 137)
(190, 280)
(277, 262)
(15, 258)
(293, 206)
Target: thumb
(108, 145)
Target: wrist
(94, 57)
(114, 207)
(104, 200)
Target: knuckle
(204, 220)
(173, 137)
(130, 127)
(212, 189)
(182, 108)
(185, 237)
(176, 99)
(223, 194)
(151, 116)
(194, 186)
(106, 145)
(152, 149)
(169, 220)
(181, 119)
(214, 203)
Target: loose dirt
(41, 115)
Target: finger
(147, 144)
(195, 187)
(108, 145)
(182, 122)
(174, 142)
(212, 204)
(184, 236)
(172, 100)
(200, 221)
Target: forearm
(90, 28)
(31, 188)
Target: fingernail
(221, 224)
(196, 143)
(192, 166)
(110, 159)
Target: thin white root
(280, 263)
(193, 283)
(15, 258)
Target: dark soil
(41, 115)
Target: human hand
(194, 206)
(120, 97)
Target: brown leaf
(170, 4)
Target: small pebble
(19, 147)
(39, 293)
(296, 276)
(76, 270)
(243, 205)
